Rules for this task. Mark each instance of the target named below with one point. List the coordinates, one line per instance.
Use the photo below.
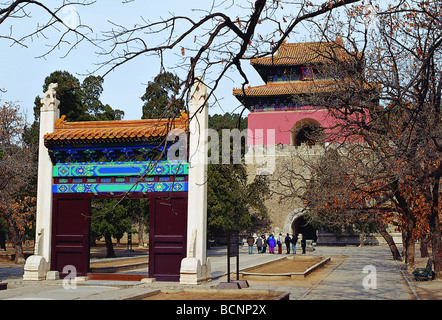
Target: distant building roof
(289, 88)
(304, 53)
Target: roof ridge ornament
(184, 116)
(59, 123)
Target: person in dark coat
(250, 242)
(303, 244)
(287, 242)
(259, 244)
(264, 244)
(293, 242)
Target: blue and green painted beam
(118, 169)
(97, 188)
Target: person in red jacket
(279, 242)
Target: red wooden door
(70, 233)
(167, 236)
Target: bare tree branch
(15, 11)
(220, 41)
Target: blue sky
(22, 74)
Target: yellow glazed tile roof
(303, 53)
(288, 88)
(114, 130)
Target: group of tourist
(271, 242)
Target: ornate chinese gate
(117, 159)
(98, 160)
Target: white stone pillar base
(193, 273)
(36, 268)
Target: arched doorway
(296, 223)
(307, 131)
(301, 226)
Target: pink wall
(283, 122)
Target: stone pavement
(365, 273)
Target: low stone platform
(218, 294)
(249, 274)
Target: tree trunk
(437, 257)
(140, 233)
(409, 248)
(92, 240)
(362, 239)
(408, 242)
(19, 254)
(424, 246)
(389, 239)
(435, 232)
(16, 241)
(2, 239)
(109, 246)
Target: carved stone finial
(199, 93)
(49, 101)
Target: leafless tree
(215, 43)
(17, 170)
(388, 105)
